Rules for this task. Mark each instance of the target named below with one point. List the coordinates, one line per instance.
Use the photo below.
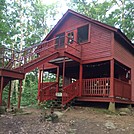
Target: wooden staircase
(15, 64)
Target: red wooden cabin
(92, 61)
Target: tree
(27, 25)
(3, 23)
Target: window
(60, 40)
(83, 34)
(70, 38)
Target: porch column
(63, 75)
(57, 79)
(19, 99)
(111, 95)
(1, 89)
(9, 94)
(80, 79)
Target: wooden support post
(57, 79)
(63, 82)
(112, 79)
(1, 89)
(19, 99)
(9, 94)
(80, 79)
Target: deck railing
(70, 92)
(96, 87)
(11, 58)
(48, 92)
(122, 90)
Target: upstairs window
(60, 40)
(83, 34)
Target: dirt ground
(78, 120)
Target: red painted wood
(48, 92)
(70, 92)
(125, 57)
(96, 87)
(122, 90)
(112, 79)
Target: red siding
(125, 57)
(71, 24)
(99, 45)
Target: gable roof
(117, 32)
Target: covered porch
(108, 79)
(105, 81)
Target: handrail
(48, 93)
(14, 58)
(70, 92)
(49, 85)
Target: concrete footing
(129, 106)
(111, 106)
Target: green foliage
(22, 24)
(29, 96)
(3, 23)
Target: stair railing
(48, 92)
(70, 92)
(11, 58)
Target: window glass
(60, 40)
(83, 34)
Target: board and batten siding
(125, 57)
(99, 45)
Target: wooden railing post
(112, 79)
